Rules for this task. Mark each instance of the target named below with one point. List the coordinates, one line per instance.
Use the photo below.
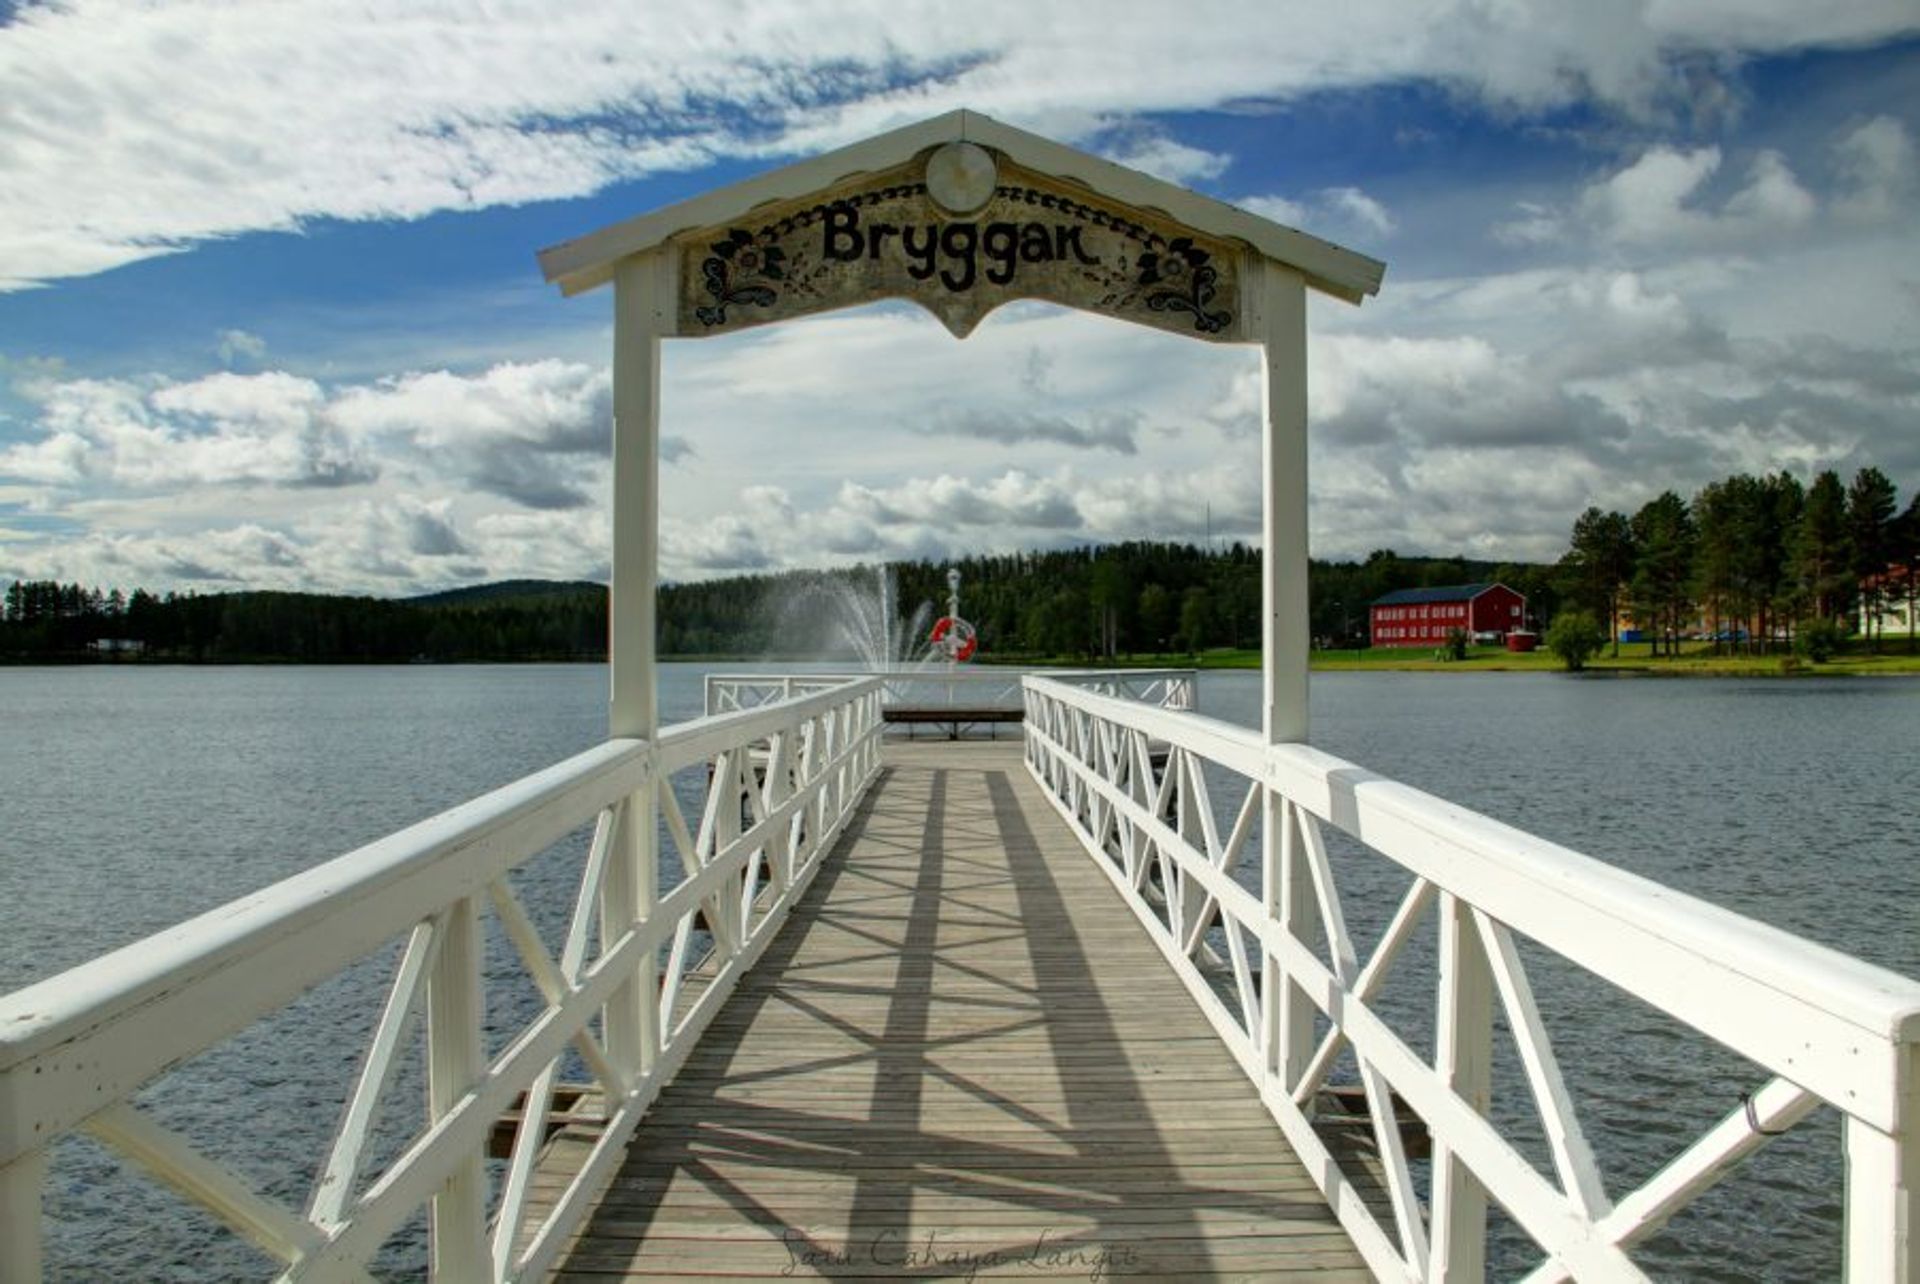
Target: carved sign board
(959, 231)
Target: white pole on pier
(642, 314)
(1283, 516)
(1277, 319)
(644, 293)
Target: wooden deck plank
(961, 1058)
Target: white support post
(1276, 311)
(643, 309)
(1463, 1056)
(1284, 631)
(456, 1060)
(20, 1185)
(1883, 1186)
(644, 304)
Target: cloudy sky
(270, 316)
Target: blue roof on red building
(1450, 593)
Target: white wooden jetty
(826, 995)
(961, 1050)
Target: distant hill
(509, 591)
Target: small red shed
(1424, 617)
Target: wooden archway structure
(960, 214)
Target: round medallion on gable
(961, 178)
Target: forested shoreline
(1114, 600)
(1749, 563)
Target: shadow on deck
(961, 1058)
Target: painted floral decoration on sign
(735, 271)
(1190, 279)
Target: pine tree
(1664, 537)
(1822, 551)
(1871, 508)
(1602, 564)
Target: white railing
(732, 692)
(932, 687)
(1138, 785)
(628, 991)
(935, 688)
(1164, 688)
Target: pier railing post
(627, 897)
(21, 1183)
(1883, 1186)
(456, 1058)
(1287, 880)
(1463, 1056)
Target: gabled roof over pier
(588, 261)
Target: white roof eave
(588, 261)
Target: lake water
(133, 797)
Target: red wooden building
(1424, 617)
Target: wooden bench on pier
(955, 719)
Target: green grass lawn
(1696, 659)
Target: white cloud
(1664, 326)
(750, 538)
(225, 429)
(1011, 500)
(1115, 431)
(1877, 170)
(394, 544)
(1772, 200)
(1278, 208)
(201, 119)
(531, 432)
(1658, 201)
(948, 514)
(1646, 201)
(1341, 213)
(237, 346)
(1361, 209)
(535, 433)
(1163, 157)
(1223, 499)
(556, 545)
(1479, 415)
(1535, 224)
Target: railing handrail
(1133, 783)
(1090, 675)
(1875, 1001)
(1011, 674)
(1880, 1001)
(83, 1038)
(688, 741)
(968, 673)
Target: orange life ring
(965, 642)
